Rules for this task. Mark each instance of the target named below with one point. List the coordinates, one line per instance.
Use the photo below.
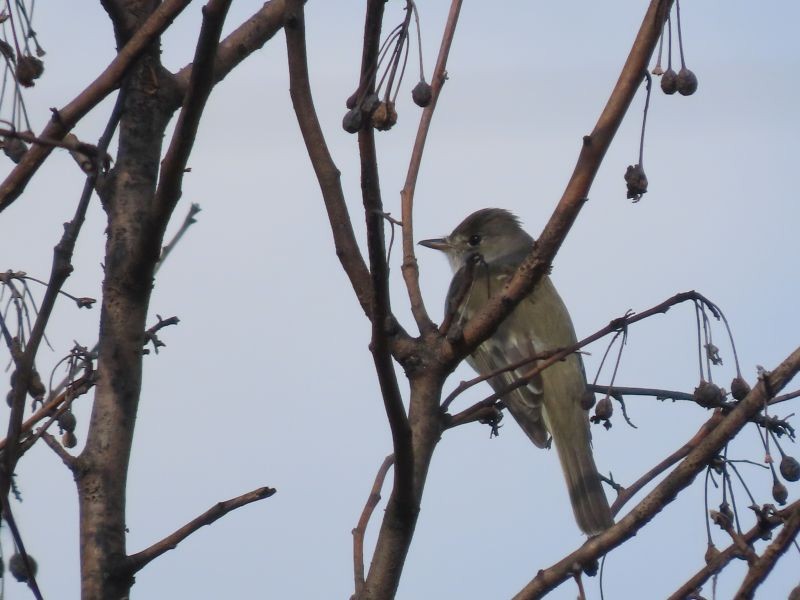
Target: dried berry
(739, 388)
(35, 386)
(67, 421)
(385, 116)
(725, 510)
(708, 395)
(422, 93)
(14, 148)
(68, 440)
(353, 120)
(6, 50)
(779, 492)
(587, 400)
(636, 181)
(604, 409)
(591, 567)
(16, 566)
(686, 82)
(712, 556)
(28, 68)
(790, 468)
(669, 81)
(350, 103)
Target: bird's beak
(442, 244)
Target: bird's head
(492, 233)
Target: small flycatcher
(550, 404)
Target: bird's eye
(474, 240)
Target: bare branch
(360, 529)
(594, 148)
(327, 174)
(65, 119)
(67, 458)
(761, 568)
(666, 491)
(410, 268)
(721, 560)
(241, 42)
(135, 562)
(26, 561)
(194, 101)
(61, 269)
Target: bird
(550, 406)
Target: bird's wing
(502, 349)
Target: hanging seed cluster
(373, 103)
(684, 82)
(22, 56)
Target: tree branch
(666, 491)
(360, 529)
(325, 169)
(60, 271)
(240, 43)
(384, 325)
(194, 101)
(759, 570)
(721, 560)
(135, 562)
(410, 268)
(66, 118)
(537, 264)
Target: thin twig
(759, 570)
(668, 489)
(721, 560)
(361, 528)
(136, 562)
(410, 268)
(26, 561)
(66, 118)
(201, 82)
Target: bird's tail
(589, 502)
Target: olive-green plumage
(549, 405)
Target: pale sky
(268, 380)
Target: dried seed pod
(712, 555)
(68, 440)
(422, 93)
(6, 50)
(14, 148)
(779, 492)
(790, 468)
(591, 567)
(350, 103)
(353, 120)
(36, 388)
(604, 409)
(636, 181)
(725, 510)
(16, 566)
(385, 116)
(686, 82)
(587, 400)
(669, 81)
(794, 594)
(28, 68)
(370, 103)
(708, 395)
(67, 421)
(739, 388)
